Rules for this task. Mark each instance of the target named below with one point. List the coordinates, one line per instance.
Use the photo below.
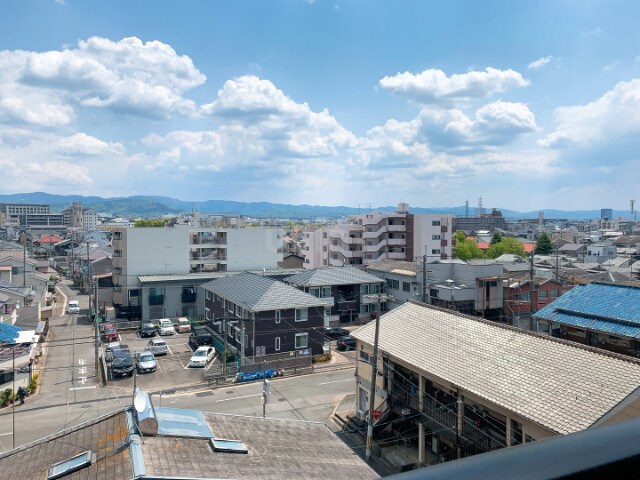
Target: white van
(73, 307)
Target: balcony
(188, 297)
(208, 240)
(347, 305)
(156, 299)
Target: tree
(496, 238)
(466, 249)
(506, 245)
(543, 245)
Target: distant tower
(466, 208)
(606, 214)
(480, 211)
(633, 210)
(540, 218)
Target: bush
(6, 396)
(33, 384)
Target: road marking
(82, 388)
(337, 381)
(169, 348)
(8, 433)
(236, 398)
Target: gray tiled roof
(560, 385)
(389, 265)
(328, 276)
(260, 294)
(278, 449)
(177, 277)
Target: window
(302, 340)
(435, 251)
(364, 289)
(208, 295)
(230, 307)
(393, 283)
(301, 314)
(555, 293)
(435, 223)
(315, 291)
(278, 316)
(543, 295)
(434, 293)
(435, 237)
(207, 313)
(327, 311)
(364, 356)
(523, 297)
(277, 344)
(326, 292)
(406, 286)
(229, 446)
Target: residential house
(461, 385)
(352, 292)
(524, 297)
(601, 252)
(148, 442)
(575, 250)
(257, 316)
(596, 314)
(401, 283)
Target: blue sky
(530, 105)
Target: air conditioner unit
(362, 415)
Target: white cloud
(435, 87)
(613, 116)
(128, 76)
(539, 63)
(610, 66)
(83, 144)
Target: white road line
(236, 398)
(8, 433)
(337, 381)
(169, 349)
(82, 388)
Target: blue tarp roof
(8, 333)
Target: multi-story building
(460, 385)
(487, 221)
(371, 237)
(80, 218)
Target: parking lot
(172, 368)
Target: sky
(529, 105)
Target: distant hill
(154, 206)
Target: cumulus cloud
(83, 144)
(128, 76)
(435, 87)
(613, 116)
(539, 63)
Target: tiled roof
(105, 436)
(277, 449)
(326, 276)
(178, 277)
(560, 385)
(260, 294)
(389, 265)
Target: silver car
(157, 346)
(145, 362)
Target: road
(70, 394)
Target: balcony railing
(188, 297)
(156, 299)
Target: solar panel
(178, 422)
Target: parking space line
(237, 398)
(82, 388)
(169, 348)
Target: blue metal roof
(8, 333)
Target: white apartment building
(371, 237)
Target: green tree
(467, 249)
(506, 245)
(544, 245)
(496, 238)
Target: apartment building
(80, 218)
(371, 237)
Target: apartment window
(555, 293)
(364, 289)
(208, 294)
(117, 253)
(435, 223)
(393, 283)
(230, 307)
(117, 235)
(278, 316)
(326, 292)
(364, 356)
(315, 291)
(207, 313)
(117, 270)
(543, 295)
(301, 314)
(435, 251)
(406, 286)
(302, 340)
(277, 344)
(435, 237)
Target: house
(351, 291)
(148, 442)
(400, 281)
(576, 250)
(524, 297)
(461, 385)
(598, 314)
(257, 316)
(600, 252)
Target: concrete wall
(253, 249)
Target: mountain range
(154, 206)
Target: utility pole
(531, 288)
(224, 354)
(242, 343)
(424, 278)
(24, 262)
(374, 373)
(265, 389)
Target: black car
(346, 343)
(200, 336)
(335, 333)
(122, 364)
(147, 329)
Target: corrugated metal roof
(563, 386)
(9, 333)
(326, 276)
(259, 294)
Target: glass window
(435, 251)
(543, 295)
(406, 286)
(435, 237)
(435, 223)
(302, 340)
(277, 344)
(68, 466)
(327, 311)
(224, 445)
(315, 291)
(555, 293)
(326, 292)
(278, 316)
(301, 314)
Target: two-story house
(257, 316)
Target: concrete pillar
(421, 444)
(460, 409)
(508, 431)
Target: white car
(73, 307)
(165, 327)
(202, 356)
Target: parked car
(73, 307)
(202, 356)
(346, 343)
(165, 327)
(110, 332)
(183, 325)
(147, 329)
(335, 333)
(146, 362)
(113, 346)
(200, 336)
(122, 364)
(157, 346)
